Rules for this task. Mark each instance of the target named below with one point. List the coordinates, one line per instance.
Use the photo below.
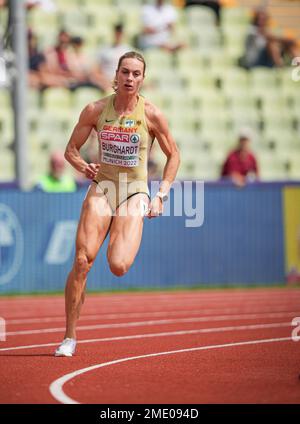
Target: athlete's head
(130, 72)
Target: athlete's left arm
(160, 129)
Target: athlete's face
(130, 75)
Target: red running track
(219, 346)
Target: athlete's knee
(82, 264)
(119, 267)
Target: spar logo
(11, 244)
(114, 136)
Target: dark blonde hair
(129, 55)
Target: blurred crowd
(65, 64)
(263, 48)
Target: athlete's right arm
(87, 121)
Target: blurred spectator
(36, 59)
(265, 49)
(158, 22)
(2, 29)
(68, 63)
(40, 76)
(241, 165)
(108, 56)
(81, 70)
(56, 180)
(47, 5)
(57, 58)
(215, 5)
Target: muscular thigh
(94, 222)
(127, 228)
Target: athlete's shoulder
(98, 105)
(92, 110)
(153, 113)
(156, 121)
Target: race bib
(120, 148)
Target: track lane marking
(56, 387)
(155, 322)
(91, 317)
(160, 334)
(195, 298)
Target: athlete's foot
(66, 348)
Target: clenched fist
(156, 208)
(91, 170)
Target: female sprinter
(126, 125)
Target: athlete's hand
(156, 207)
(91, 170)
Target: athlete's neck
(125, 103)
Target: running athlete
(127, 125)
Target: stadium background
(249, 236)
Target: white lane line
(161, 334)
(56, 387)
(199, 303)
(255, 308)
(155, 322)
(92, 317)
